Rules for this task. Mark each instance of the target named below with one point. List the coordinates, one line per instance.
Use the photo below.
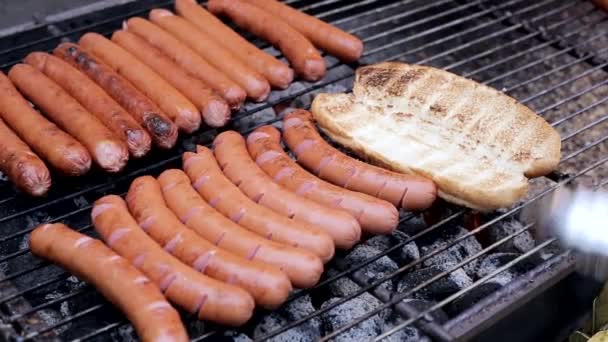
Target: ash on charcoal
(452, 256)
(81, 202)
(421, 305)
(233, 336)
(403, 255)
(347, 312)
(124, 333)
(292, 311)
(519, 244)
(413, 225)
(438, 289)
(374, 271)
(341, 287)
(494, 261)
(470, 298)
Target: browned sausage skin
(207, 298)
(57, 147)
(407, 191)
(107, 150)
(300, 52)
(21, 165)
(265, 147)
(303, 268)
(95, 100)
(231, 152)
(267, 284)
(122, 284)
(162, 130)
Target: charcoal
(471, 297)
(519, 244)
(124, 333)
(407, 334)
(413, 226)
(438, 289)
(374, 271)
(403, 255)
(437, 315)
(341, 287)
(292, 311)
(494, 261)
(455, 254)
(81, 202)
(233, 336)
(345, 313)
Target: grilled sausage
(231, 152)
(106, 149)
(60, 149)
(168, 99)
(302, 267)
(372, 213)
(21, 165)
(267, 284)
(214, 109)
(208, 298)
(226, 198)
(118, 281)
(188, 60)
(95, 100)
(276, 72)
(147, 114)
(334, 41)
(407, 191)
(298, 50)
(603, 4)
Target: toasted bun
(479, 145)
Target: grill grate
(547, 54)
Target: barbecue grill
(446, 274)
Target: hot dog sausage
(231, 152)
(208, 298)
(188, 60)
(334, 41)
(276, 72)
(267, 284)
(302, 267)
(21, 165)
(95, 100)
(225, 197)
(106, 149)
(168, 99)
(214, 109)
(407, 191)
(255, 84)
(60, 149)
(376, 216)
(298, 50)
(147, 114)
(153, 318)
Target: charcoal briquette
(519, 244)
(473, 296)
(345, 313)
(403, 255)
(438, 289)
(460, 251)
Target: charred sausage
(122, 284)
(207, 298)
(298, 50)
(214, 109)
(57, 147)
(276, 72)
(265, 147)
(95, 100)
(407, 191)
(267, 284)
(162, 130)
(107, 150)
(231, 152)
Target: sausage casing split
(207, 298)
(189, 60)
(57, 147)
(231, 152)
(95, 100)
(374, 215)
(276, 72)
(267, 284)
(106, 149)
(226, 198)
(162, 130)
(173, 103)
(213, 108)
(114, 277)
(343, 45)
(21, 165)
(298, 50)
(303, 268)
(312, 151)
(256, 86)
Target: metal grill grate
(549, 54)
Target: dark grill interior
(549, 54)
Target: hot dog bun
(477, 144)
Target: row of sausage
(106, 100)
(241, 225)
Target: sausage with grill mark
(122, 284)
(207, 298)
